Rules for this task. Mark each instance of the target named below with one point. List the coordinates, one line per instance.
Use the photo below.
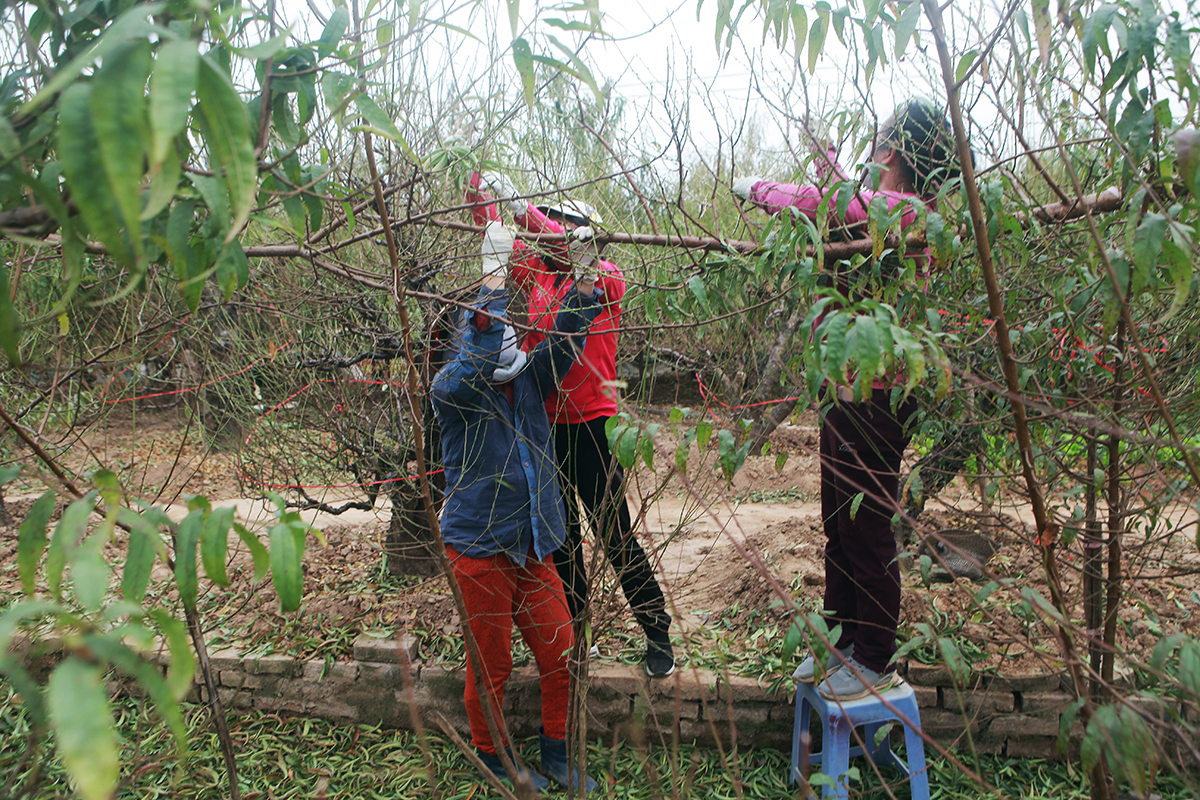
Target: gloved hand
(584, 256)
(743, 187)
(496, 249)
(505, 192)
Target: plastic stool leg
(918, 776)
(835, 756)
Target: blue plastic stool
(837, 726)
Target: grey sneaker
(854, 681)
(807, 671)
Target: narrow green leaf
(1041, 25)
(262, 560)
(855, 503)
(233, 270)
(816, 40)
(119, 117)
(67, 534)
(514, 14)
(287, 553)
(90, 573)
(906, 25)
(214, 545)
(187, 536)
(697, 287)
(868, 351)
(112, 647)
(523, 58)
(31, 539)
(10, 143)
(144, 545)
(77, 149)
(10, 321)
(83, 728)
(379, 122)
(836, 327)
(335, 29)
(229, 140)
(171, 86)
(181, 670)
(1147, 244)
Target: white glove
(496, 249)
(583, 254)
(512, 358)
(504, 191)
(744, 187)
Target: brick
(970, 702)
(685, 685)
(387, 651)
(227, 659)
(1019, 726)
(1042, 682)
(1031, 746)
(742, 690)
(338, 671)
(747, 713)
(927, 696)
(620, 677)
(1037, 702)
(384, 677)
(945, 724)
(232, 698)
(233, 678)
(919, 674)
(608, 711)
(273, 665)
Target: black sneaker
(660, 658)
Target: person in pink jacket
(861, 443)
(585, 401)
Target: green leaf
(212, 191)
(181, 670)
(90, 573)
(133, 24)
(187, 536)
(514, 15)
(119, 118)
(380, 122)
(67, 534)
(964, 64)
(703, 432)
(171, 87)
(214, 544)
(10, 321)
(144, 545)
(31, 539)
(262, 560)
(335, 29)
(816, 40)
(233, 271)
(696, 285)
(10, 143)
(906, 24)
(85, 737)
(855, 503)
(868, 352)
(1041, 25)
(1147, 244)
(9, 474)
(780, 461)
(836, 327)
(626, 449)
(229, 139)
(78, 146)
(523, 59)
(287, 552)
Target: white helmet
(577, 211)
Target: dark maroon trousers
(861, 447)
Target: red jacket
(588, 391)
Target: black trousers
(591, 477)
(861, 448)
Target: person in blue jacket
(503, 517)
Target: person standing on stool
(504, 516)
(582, 406)
(862, 443)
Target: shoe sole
(813, 678)
(650, 674)
(866, 690)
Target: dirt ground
(734, 558)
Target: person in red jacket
(584, 402)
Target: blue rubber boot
(492, 762)
(554, 764)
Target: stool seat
(838, 721)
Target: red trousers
(497, 592)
